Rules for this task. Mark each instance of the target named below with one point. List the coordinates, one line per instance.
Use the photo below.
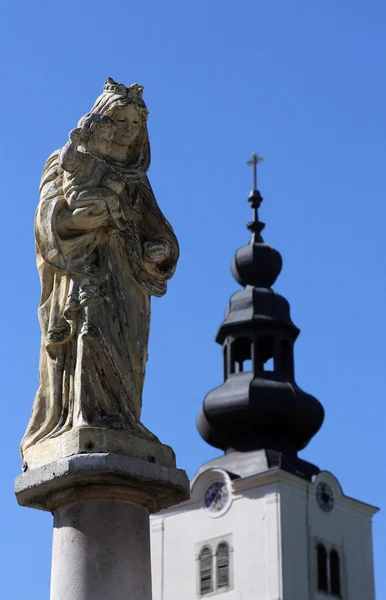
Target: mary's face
(128, 124)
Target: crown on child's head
(134, 92)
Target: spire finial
(255, 198)
(253, 162)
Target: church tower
(261, 523)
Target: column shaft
(101, 551)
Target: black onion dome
(259, 405)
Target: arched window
(287, 358)
(321, 563)
(241, 355)
(264, 354)
(206, 571)
(335, 586)
(222, 556)
(225, 358)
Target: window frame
(329, 547)
(325, 585)
(206, 548)
(335, 594)
(226, 564)
(213, 545)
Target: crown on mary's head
(134, 91)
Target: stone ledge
(126, 479)
(98, 440)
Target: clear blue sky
(301, 82)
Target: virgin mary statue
(96, 282)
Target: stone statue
(103, 248)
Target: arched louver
(206, 571)
(335, 574)
(322, 572)
(222, 557)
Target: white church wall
(272, 522)
(295, 540)
(347, 528)
(255, 551)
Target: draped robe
(94, 311)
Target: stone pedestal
(101, 504)
(101, 551)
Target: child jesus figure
(87, 173)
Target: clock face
(216, 496)
(325, 496)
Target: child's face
(101, 139)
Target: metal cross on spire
(253, 162)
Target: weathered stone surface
(101, 551)
(81, 440)
(103, 249)
(109, 476)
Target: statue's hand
(93, 216)
(74, 135)
(156, 252)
